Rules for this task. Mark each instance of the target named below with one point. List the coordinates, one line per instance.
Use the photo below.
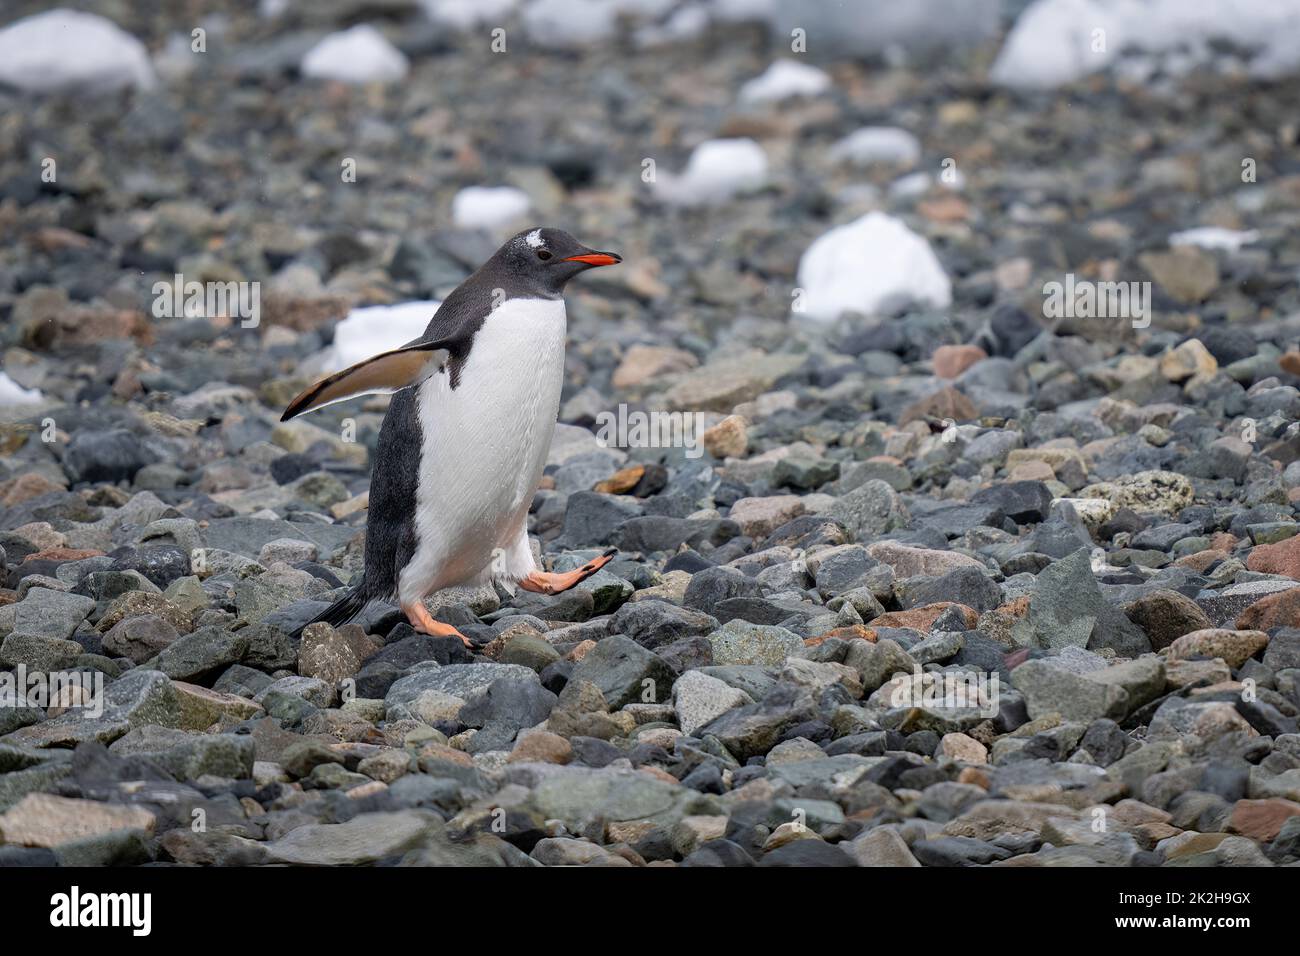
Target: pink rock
(951, 360)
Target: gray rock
(1021, 501)
(311, 689)
(969, 586)
(54, 614)
(219, 755)
(1065, 604)
(201, 655)
(16, 710)
(881, 846)
(739, 642)
(625, 672)
(114, 454)
(1058, 537)
(992, 447)
(870, 510)
(365, 839)
(262, 594)
(502, 709)
(751, 679)
(754, 729)
(247, 536)
(140, 638)
(1052, 689)
(712, 586)
(1116, 631)
(288, 550)
(139, 697)
(656, 623)
(593, 518)
(1283, 650)
(879, 661)
(957, 851)
(940, 646)
(699, 698)
(1142, 679)
(458, 680)
(586, 799)
(38, 653)
(1223, 606)
(844, 570)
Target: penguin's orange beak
(596, 258)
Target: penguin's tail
(341, 611)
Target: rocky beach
(944, 414)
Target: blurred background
(882, 176)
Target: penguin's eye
(543, 254)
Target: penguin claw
(424, 622)
(550, 582)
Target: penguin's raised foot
(551, 582)
(423, 622)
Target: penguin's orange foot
(550, 582)
(423, 622)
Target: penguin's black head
(548, 258)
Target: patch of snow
(487, 207)
(918, 184)
(1212, 237)
(466, 14)
(785, 79)
(358, 55)
(1055, 42)
(12, 394)
(844, 28)
(69, 50)
(686, 24)
(570, 24)
(369, 330)
(873, 265)
(911, 185)
(740, 11)
(644, 9)
(718, 170)
(878, 144)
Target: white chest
(485, 442)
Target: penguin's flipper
(386, 372)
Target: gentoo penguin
(462, 447)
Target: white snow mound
(739, 11)
(357, 55)
(487, 207)
(867, 27)
(570, 24)
(878, 144)
(873, 265)
(1055, 42)
(465, 14)
(12, 394)
(718, 170)
(783, 80)
(68, 50)
(1212, 237)
(372, 329)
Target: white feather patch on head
(534, 239)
